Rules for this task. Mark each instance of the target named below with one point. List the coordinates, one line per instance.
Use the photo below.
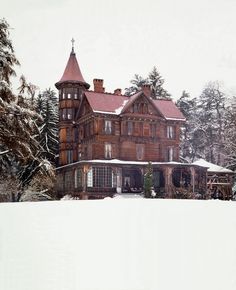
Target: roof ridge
(107, 93)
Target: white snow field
(118, 244)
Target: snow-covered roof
(123, 162)
(212, 167)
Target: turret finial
(73, 42)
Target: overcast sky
(190, 42)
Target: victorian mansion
(107, 140)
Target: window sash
(108, 127)
(108, 150)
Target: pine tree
(148, 180)
(204, 131)
(137, 83)
(47, 107)
(156, 82)
(20, 158)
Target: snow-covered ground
(118, 244)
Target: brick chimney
(147, 90)
(117, 92)
(98, 86)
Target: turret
(71, 87)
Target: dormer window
(108, 127)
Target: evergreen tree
(188, 107)
(47, 107)
(19, 149)
(156, 82)
(148, 181)
(137, 83)
(206, 120)
(230, 135)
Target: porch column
(118, 180)
(168, 181)
(84, 194)
(192, 170)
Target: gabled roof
(212, 167)
(106, 103)
(72, 72)
(169, 110)
(117, 104)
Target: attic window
(135, 108)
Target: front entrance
(132, 181)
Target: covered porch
(101, 178)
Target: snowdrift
(118, 244)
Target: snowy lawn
(118, 244)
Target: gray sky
(190, 42)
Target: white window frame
(170, 132)
(108, 128)
(170, 152)
(108, 151)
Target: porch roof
(126, 162)
(212, 167)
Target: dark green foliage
(156, 82)
(47, 107)
(148, 181)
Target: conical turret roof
(72, 72)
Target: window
(145, 108)
(130, 128)
(153, 130)
(146, 129)
(170, 153)
(170, 132)
(140, 151)
(68, 96)
(69, 156)
(102, 177)
(107, 150)
(107, 127)
(63, 114)
(60, 181)
(78, 178)
(75, 96)
(90, 178)
(63, 96)
(68, 180)
(69, 114)
(135, 108)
